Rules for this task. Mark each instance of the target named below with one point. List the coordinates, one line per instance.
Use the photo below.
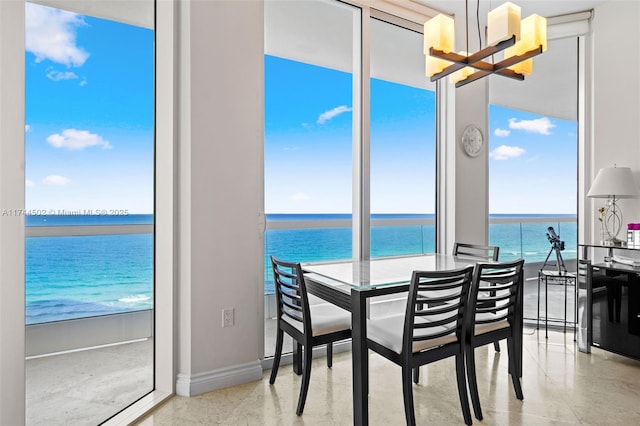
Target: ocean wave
(134, 299)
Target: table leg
(359, 358)
(575, 309)
(565, 305)
(546, 307)
(538, 320)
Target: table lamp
(613, 183)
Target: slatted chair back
(496, 296)
(292, 301)
(475, 251)
(435, 309)
(495, 304)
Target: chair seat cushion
(388, 332)
(488, 327)
(325, 318)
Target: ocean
(79, 276)
(82, 276)
(517, 236)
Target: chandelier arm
(476, 57)
(479, 74)
(484, 68)
(506, 63)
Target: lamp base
(614, 242)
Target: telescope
(554, 239)
(557, 245)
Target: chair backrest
(475, 251)
(436, 306)
(496, 294)
(291, 293)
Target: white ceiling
(133, 12)
(545, 8)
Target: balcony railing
(53, 314)
(320, 239)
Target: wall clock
(472, 141)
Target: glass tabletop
(382, 271)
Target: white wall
(12, 387)
(471, 173)
(616, 97)
(220, 200)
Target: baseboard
(190, 385)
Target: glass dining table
(350, 283)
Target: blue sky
(89, 132)
(308, 151)
(308, 142)
(89, 113)
(532, 163)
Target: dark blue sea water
(71, 277)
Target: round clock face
(472, 141)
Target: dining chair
(431, 329)
(475, 251)
(495, 306)
(309, 325)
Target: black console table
(611, 306)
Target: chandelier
(519, 40)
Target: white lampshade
(613, 182)
(439, 33)
(503, 23)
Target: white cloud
(504, 152)
(539, 125)
(56, 75)
(51, 34)
(300, 196)
(328, 115)
(76, 140)
(56, 180)
(28, 183)
(27, 128)
(501, 133)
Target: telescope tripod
(559, 260)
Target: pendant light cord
(478, 21)
(466, 21)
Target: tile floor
(560, 385)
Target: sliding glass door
(403, 146)
(348, 141)
(533, 169)
(89, 166)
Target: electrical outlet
(227, 317)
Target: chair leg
(407, 393)
(330, 354)
(306, 375)
(513, 368)
(473, 382)
(462, 389)
(276, 357)
(297, 358)
(496, 346)
(416, 375)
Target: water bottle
(630, 235)
(636, 235)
